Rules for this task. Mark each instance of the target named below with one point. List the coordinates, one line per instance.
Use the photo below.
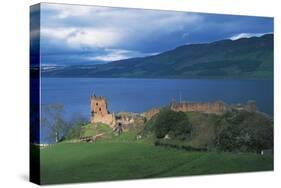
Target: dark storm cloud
(101, 34)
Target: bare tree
(52, 121)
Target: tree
(176, 124)
(182, 129)
(52, 121)
(75, 124)
(245, 132)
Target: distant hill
(246, 58)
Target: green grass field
(81, 162)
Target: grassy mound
(91, 130)
(128, 135)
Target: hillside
(246, 58)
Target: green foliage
(245, 132)
(73, 133)
(75, 126)
(234, 131)
(174, 124)
(177, 145)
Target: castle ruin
(100, 113)
(150, 113)
(217, 107)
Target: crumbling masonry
(100, 113)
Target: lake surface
(139, 95)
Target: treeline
(233, 131)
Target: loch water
(139, 95)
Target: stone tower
(99, 111)
(98, 106)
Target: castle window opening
(99, 109)
(97, 104)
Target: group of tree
(233, 131)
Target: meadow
(120, 160)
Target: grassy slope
(109, 135)
(65, 163)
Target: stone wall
(251, 106)
(108, 119)
(217, 107)
(129, 120)
(149, 114)
(100, 113)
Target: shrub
(175, 124)
(254, 132)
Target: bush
(254, 132)
(177, 145)
(175, 124)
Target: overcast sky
(72, 34)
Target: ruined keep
(100, 113)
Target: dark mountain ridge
(246, 58)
